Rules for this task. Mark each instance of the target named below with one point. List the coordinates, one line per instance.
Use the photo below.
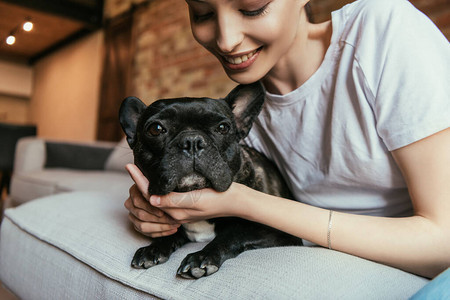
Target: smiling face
(249, 37)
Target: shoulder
(385, 24)
(376, 17)
(379, 9)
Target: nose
(229, 34)
(192, 144)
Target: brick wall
(169, 63)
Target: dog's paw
(197, 265)
(147, 257)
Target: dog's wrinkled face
(184, 144)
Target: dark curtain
(116, 75)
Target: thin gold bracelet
(330, 222)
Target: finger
(139, 178)
(152, 229)
(162, 234)
(177, 200)
(172, 200)
(138, 201)
(154, 215)
(144, 216)
(159, 234)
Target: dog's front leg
(206, 261)
(159, 250)
(234, 236)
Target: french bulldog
(186, 144)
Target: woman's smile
(240, 61)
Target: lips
(239, 62)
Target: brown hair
(309, 12)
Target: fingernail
(155, 200)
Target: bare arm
(419, 244)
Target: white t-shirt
(384, 83)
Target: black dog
(186, 144)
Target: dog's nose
(192, 144)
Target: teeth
(239, 60)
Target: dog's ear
(246, 102)
(129, 113)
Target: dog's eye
(156, 129)
(223, 128)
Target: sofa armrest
(30, 155)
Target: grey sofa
(46, 167)
(76, 242)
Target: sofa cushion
(44, 182)
(76, 156)
(80, 245)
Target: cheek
(267, 33)
(203, 34)
(275, 29)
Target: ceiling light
(10, 40)
(27, 26)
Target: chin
(243, 77)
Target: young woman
(357, 118)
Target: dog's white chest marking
(202, 231)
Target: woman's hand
(199, 204)
(146, 218)
(157, 216)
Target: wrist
(240, 201)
